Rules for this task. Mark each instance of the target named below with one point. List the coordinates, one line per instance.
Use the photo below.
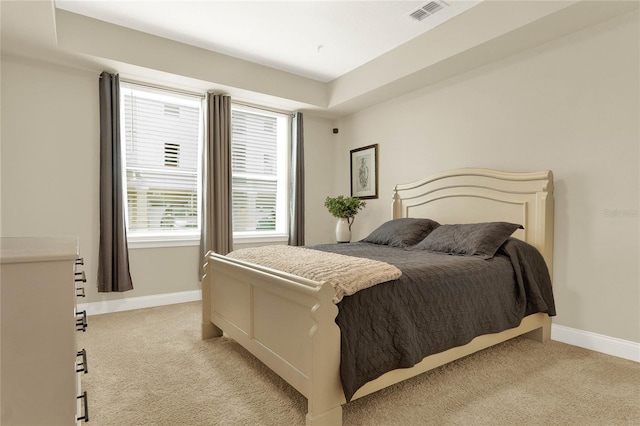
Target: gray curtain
(296, 191)
(216, 226)
(113, 257)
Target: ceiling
(330, 58)
(321, 40)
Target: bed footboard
(286, 321)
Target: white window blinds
(161, 133)
(259, 145)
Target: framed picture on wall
(364, 172)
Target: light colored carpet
(149, 367)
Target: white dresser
(40, 363)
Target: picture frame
(364, 172)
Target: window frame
(160, 239)
(156, 239)
(283, 178)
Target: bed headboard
(484, 195)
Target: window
(161, 133)
(259, 148)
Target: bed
(289, 322)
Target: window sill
(139, 242)
(260, 239)
(143, 242)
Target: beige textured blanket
(347, 274)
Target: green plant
(344, 207)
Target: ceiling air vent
(427, 10)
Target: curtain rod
(163, 88)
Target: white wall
(50, 173)
(570, 106)
(49, 166)
(320, 144)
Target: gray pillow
(403, 232)
(471, 239)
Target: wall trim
(560, 333)
(130, 303)
(596, 342)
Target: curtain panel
(216, 225)
(296, 184)
(113, 258)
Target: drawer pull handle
(82, 367)
(81, 323)
(85, 417)
(80, 292)
(81, 277)
(80, 261)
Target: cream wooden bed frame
(288, 322)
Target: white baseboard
(130, 303)
(596, 342)
(584, 339)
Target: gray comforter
(441, 301)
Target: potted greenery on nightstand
(345, 209)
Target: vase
(343, 231)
